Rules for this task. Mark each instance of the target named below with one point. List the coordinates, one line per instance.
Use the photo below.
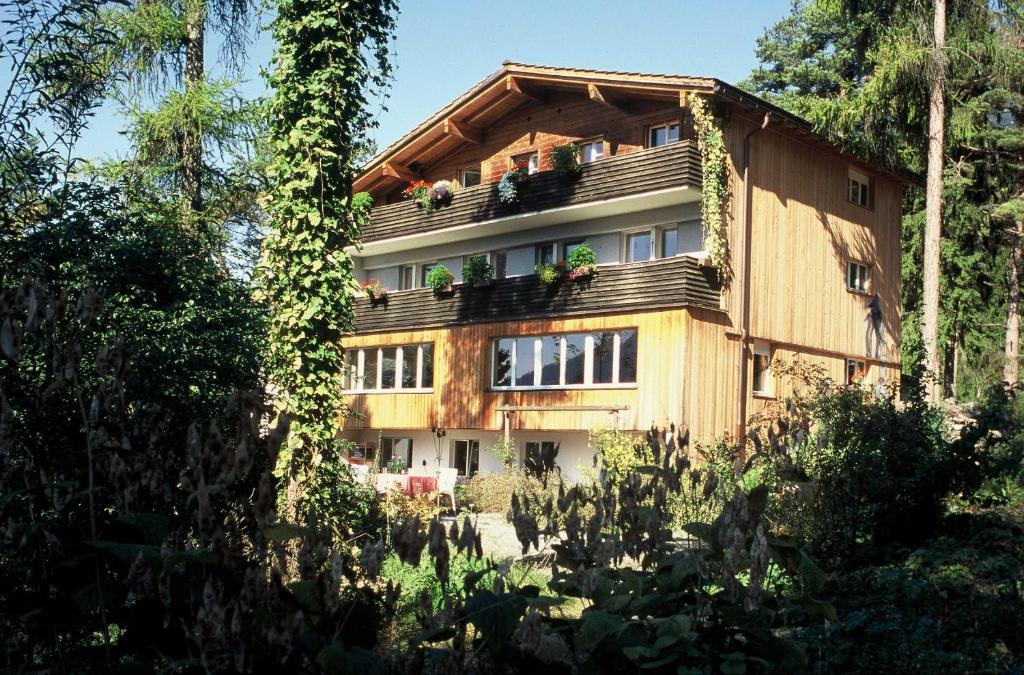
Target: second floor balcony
(667, 283)
(634, 181)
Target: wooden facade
(790, 259)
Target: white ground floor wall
(575, 458)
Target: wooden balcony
(669, 283)
(635, 173)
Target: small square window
(859, 189)
(762, 381)
(856, 371)
(856, 277)
(531, 161)
(469, 177)
(591, 151)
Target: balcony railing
(633, 287)
(634, 173)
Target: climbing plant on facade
(714, 190)
(331, 57)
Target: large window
(395, 448)
(600, 359)
(391, 368)
(466, 456)
(662, 134)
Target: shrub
(566, 160)
(505, 450)
(477, 270)
(362, 203)
(618, 453)
(549, 275)
(347, 506)
(439, 278)
(492, 492)
(581, 257)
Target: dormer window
(469, 177)
(859, 187)
(531, 161)
(663, 134)
(591, 151)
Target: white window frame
(863, 277)
(554, 252)
(651, 232)
(538, 362)
(377, 354)
(666, 125)
(592, 143)
(858, 189)
(763, 349)
(477, 170)
(411, 269)
(392, 439)
(532, 161)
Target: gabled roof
(463, 120)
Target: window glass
(427, 369)
(855, 371)
(524, 362)
(348, 381)
(627, 356)
(470, 177)
(409, 356)
(424, 271)
(405, 277)
(545, 254)
(591, 152)
(673, 133)
(604, 355)
(539, 457)
(503, 363)
(857, 277)
(387, 368)
(659, 136)
(395, 448)
(531, 160)
(466, 457)
(669, 242)
(369, 369)
(762, 365)
(575, 358)
(500, 264)
(638, 247)
(551, 361)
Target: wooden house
(659, 335)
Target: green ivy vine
(714, 190)
(331, 56)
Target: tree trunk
(933, 205)
(191, 144)
(1011, 369)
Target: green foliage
(565, 159)
(327, 62)
(581, 257)
(439, 278)
(362, 203)
(617, 453)
(477, 270)
(348, 507)
(505, 450)
(492, 492)
(715, 184)
(548, 275)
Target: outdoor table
(411, 485)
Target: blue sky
(443, 48)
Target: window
(424, 271)
(669, 241)
(855, 371)
(466, 456)
(531, 161)
(406, 277)
(859, 189)
(762, 369)
(663, 134)
(469, 177)
(545, 253)
(856, 277)
(591, 151)
(638, 246)
(607, 358)
(395, 448)
(539, 457)
(406, 367)
(499, 260)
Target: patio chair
(446, 485)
